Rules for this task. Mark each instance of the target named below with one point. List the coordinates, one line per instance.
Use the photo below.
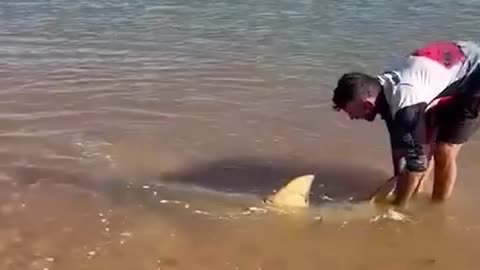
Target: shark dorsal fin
(294, 194)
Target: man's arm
(409, 140)
(397, 155)
(398, 160)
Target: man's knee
(446, 152)
(445, 170)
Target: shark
(294, 196)
(296, 193)
(291, 200)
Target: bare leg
(426, 177)
(445, 170)
(406, 185)
(404, 188)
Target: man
(430, 104)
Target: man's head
(356, 94)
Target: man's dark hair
(352, 85)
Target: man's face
(361, 109)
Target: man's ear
(368, 105)
(369, 108)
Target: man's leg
(456, 130)
(426, 177)
(445, 170)
(457, 124)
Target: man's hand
(393, 185)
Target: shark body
(294, 197)
(297, 191)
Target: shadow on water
(262, 177)
(249, 175)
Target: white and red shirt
(426, 78)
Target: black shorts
(458, 121)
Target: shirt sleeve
(408, 136)
(398, 159)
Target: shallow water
(143, 135)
